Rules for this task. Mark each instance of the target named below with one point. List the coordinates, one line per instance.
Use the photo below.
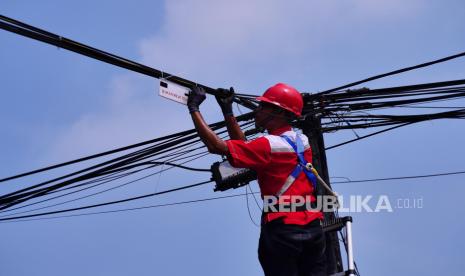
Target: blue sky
(57, 105)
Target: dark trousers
(292, 250)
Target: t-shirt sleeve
(253, 154)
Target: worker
(292, 242)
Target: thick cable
(399, 177)
(20, 28)
(394, 72)
(128, 209)
(108, 203)
(366, 136)
(23, 192)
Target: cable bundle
(337, 110)
(172, 151)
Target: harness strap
(289, 180)
(299, 149)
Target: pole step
(335, 224)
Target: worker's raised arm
(206, 134)
(234, 130)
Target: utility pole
(311, 127)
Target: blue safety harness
(302, 166)
(298, 147)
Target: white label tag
(173, 91)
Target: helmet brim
(277, 104)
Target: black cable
(371, 120)
(420, 103)
(196, 156)
(432, 107)
(366, 136)
(383, 91)
(165, 161)
(120, 161)
(25, 194)
(248, 207)
(162, 161)
(108, 203)
(243, 194)
(246, 116)
(159, 163)
(99, 180)
(399, 177)
(255, 199)
(101, 183)
(67, 194)
(128, 209)
(394, 72)
(90, 195)
(448, 92)
(20, 28)
(409, 101)
(51, 167)
(351, 100)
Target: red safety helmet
(284, 96)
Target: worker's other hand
(225, 100)
(195, 98)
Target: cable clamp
(309, 166)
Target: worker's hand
(225, 100)
(195, 98)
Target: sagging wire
(66, 194)
(248, 207)
(109, 203)
(96, 193)
(406, 69)
(366, 136)
(20, 28)
(126, 209)
(343, 177)
(13, 197)
(151, 163)
(243, 194)
(255, 199)
(99, 170)
(399, 177)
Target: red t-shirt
(274, 159)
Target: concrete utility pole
(312, 128)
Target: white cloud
(133, 113)
(232, 40)
(249, 44)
